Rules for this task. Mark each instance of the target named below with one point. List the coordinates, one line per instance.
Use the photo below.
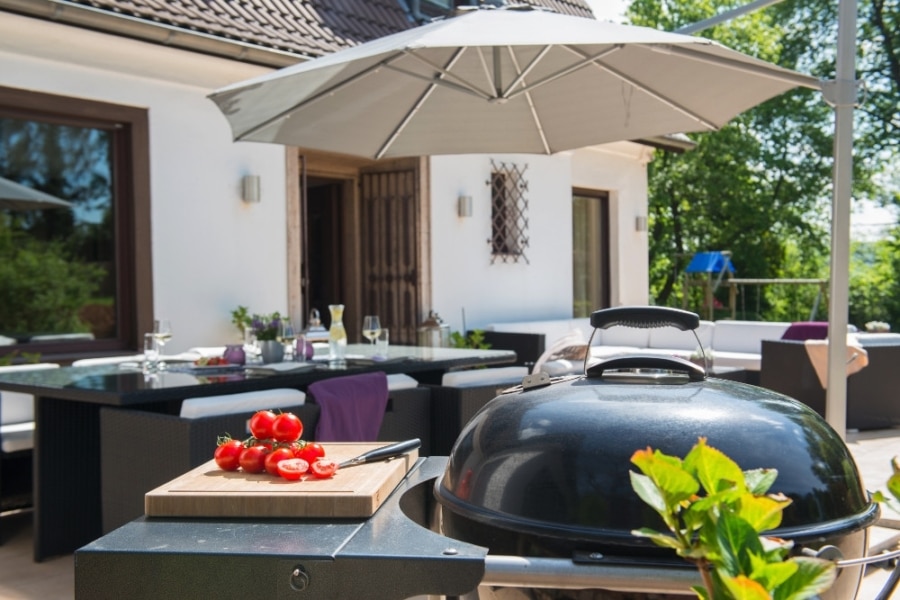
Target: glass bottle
(337, 335)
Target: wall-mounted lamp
(464, 206)
(250, 189)
(640, 223)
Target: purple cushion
(807, 330)
(352, 407)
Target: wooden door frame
(347, 169)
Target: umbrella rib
(323, 94)
(586, 60)
(650, 91)
(462, 85)
(521, 78)
(433, 83)
(797, 79)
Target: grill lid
(555, 460)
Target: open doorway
(324, 208)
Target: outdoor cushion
(401, 381)
(16, 407)
(483, 377)
(16, 437)
(227, 404)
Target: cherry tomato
(228, 454)
(310, 452)
(253, 459)
(293, 468)
(276, 456)
(261, 424)
(323, 468)
(287, 428)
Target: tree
(760, 186)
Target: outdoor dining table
(67, 479)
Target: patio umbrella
(15, 196)
(502, 80)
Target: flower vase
(337, 335)
(272, 351)
(234, 354)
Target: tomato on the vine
(261, 424)
(253, 459)
(323, 468)
(276, 456)
(310, 452)
(228, 454)
(293, 468)
(287, 428)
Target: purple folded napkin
(807, 330)
(352, 407)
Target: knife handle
(389, 451)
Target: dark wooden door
(389, 250)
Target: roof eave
(88, 17)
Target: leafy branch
(720, 532)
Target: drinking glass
(382, 343)
(371, 328)
(288, 335)
(162, 331)
(151, 353)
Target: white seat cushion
(16, 437)
(108, 360)
(401, 381)
(228, 404)
(480, 377)
(16, 407)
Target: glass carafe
(337, 335)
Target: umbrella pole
(842, 95)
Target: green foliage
(761, 186)
(720, 530)
(42, 286)
(27, 357)
(240, 318)
(475, 340)
(893, 486)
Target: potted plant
(267, 331)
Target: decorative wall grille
(509, 206)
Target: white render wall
(211, 252)
(465, 281)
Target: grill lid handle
(645, 317)
(648, 361)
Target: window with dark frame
(75, 277)
(509, 206)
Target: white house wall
(211, 252)
(466, 283)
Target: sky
(867, 221)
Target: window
(590, 252)
(74, 277)
(509, 224)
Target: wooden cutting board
(208, 491)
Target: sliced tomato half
(323, 468)
(292, 468)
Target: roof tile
(307, 28)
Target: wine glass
(371, 328)
(288, 335)
(162, 331)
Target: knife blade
(383, 453)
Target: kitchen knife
(383, 453)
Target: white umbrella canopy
(15, 196)
(503, 80)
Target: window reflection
(57, 263)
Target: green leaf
(813, 576)
(715, 471)
(744, 588)
(762, 512)
(736, 540)
(648, 492)
(759, 481)
(660, 539)
(667, 473)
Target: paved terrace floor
(21, 578)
